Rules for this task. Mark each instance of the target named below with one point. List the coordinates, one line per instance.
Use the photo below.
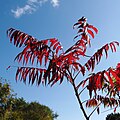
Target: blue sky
(54, 18)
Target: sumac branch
(56, 65)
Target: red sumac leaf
(40, 77)
(55, 45)
(53, 41)
(76, 24)
(76, 36)
(22, 39)
(80, 30)
(93, 63)
(94, 28)
(113, 48)
(18, 72)
(114, 75)
(8, 67)
(9, 31)
(115, 109)
(109, 78)
(16, 36)
(98, 110)
(13, 35)
(118, 66)
(91, 33)
(44, 41)
(106, 48)
(116, 42)
(58, 48)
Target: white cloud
(32, 6)
(55, 3)
(20, 11)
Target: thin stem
(85, 101)
(87, 56)
(107, 110)
(77, 74)
(78, 98)
(79, 101)
(82, 90)
(94, 109)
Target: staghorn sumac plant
(55, 65)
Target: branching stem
(94, 109)
(82, 90)
(80, 103)
(78, 98)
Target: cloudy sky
(31, 6)
(55, 18)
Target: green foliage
(6, 98)
(115, 116)
(31, 111)
(12, 108)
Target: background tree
(115, 116)
(23, 110)
(6, 98)
(12, 108)
(55, 64)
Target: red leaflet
(94, 28)
(22, 39)
(19, 57)
(118, 66)
(91, 103)
(46, 57)
(80, 30)
(87, 38)
(19, 40)
(93, 63)
(98, 81)
(33, 58)
(45, 42)
(16, 36)
(58, 48)
(26, 49)
(90, 32)
(9, 32)
(19, 37)
(116, 43)
(106, 48)
(55, 45)
(109, 78)
(13, 35)
(87, 66)
(98, 110)
(76, 36)
(53, 79)
(26, 73)
(115, 109)
(53, 41)
(76, 24)
(113, 48)
(40, 77)
(18, 72)
(114, 75)
(27, 55)
(96, 57)
(8, 67)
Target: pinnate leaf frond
(95, 59)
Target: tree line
(13, 108)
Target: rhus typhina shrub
(56, 65)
